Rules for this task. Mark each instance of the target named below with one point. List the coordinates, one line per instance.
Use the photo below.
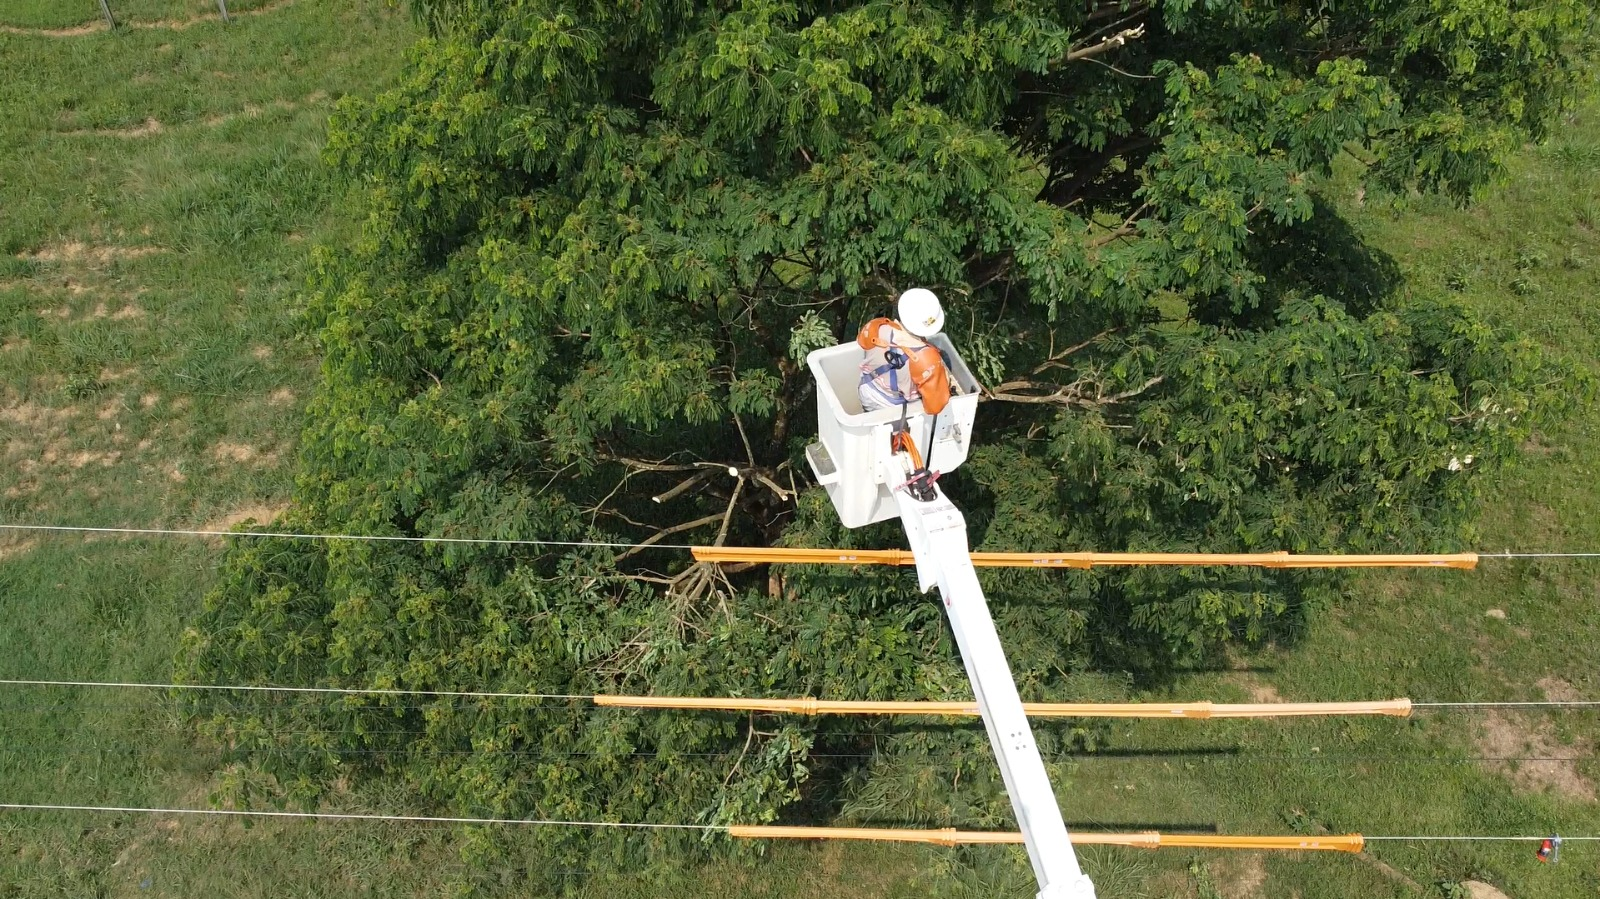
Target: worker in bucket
(901, 367)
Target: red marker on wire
(1550, 850)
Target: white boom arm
(938, 535)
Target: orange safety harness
(902, 350)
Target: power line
(614, 825)
(1531, 556)
(341, 691)
(585, 697)
(1548, 703)
(1119, 757)
(1478, 839)
(376, 538)
(352, 816)
(496, 541)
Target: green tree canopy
(600, 237)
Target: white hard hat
(920, 312)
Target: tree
(600, 238)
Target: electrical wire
(612, 825)
(586, 697)
(1150, 757)
(1531, 556)
(1477, 839)
(341, 691)
(494, 541)
(375, 538)
(353, 816)
(1547, 703)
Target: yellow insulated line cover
(1398, 708)
(1145, 840)
(1081, 560)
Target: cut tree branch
(1106, 45)
(688, 482)
(642, 465)
(1073, 394)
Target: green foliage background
(600, 236)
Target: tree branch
(1112, 10)
(749, 453)
(1110, 43)
(664, 533)
(1064, 395)
(1055, 360)
(1129, 226)
(642, 465)
(688, 482)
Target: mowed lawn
(159, 190)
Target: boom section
(937, 532)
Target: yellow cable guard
(1144, 840)
(1398, 708)
(1082, 560)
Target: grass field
(159, 187)
(78, 16)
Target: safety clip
(1550, 849)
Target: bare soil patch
(76, 251)
(73, 31)
(260, 514)
(1477, 889)
(11, 547)
(180, 24)
(226, 451)
(1243, 875)
(1524, 750)
(84, 458)
(32, 417)
(144, 129)
(281, 397)
(1557, 690)
(1259, 690)
(99, 25)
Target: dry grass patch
(32, 417)
(99, 24)
(1557, 690)
(76, 251)
(259, 513)
(1523, 749)
(1259, 690)
(144, 129)
(73, 31)
(1243, 875)
(230, 453)
(11, 546)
